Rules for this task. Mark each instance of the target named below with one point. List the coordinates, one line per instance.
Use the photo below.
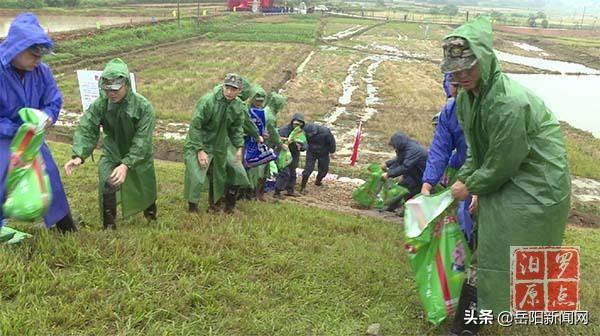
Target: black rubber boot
(467, 301)
(277, 194)
(303, 183)
(109, 211)
(230, 199)
(150, 212)
(213, 207)
(193, 207)
(66, 224)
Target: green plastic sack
(367, 195)
(11, 236)
(438, 252)
(285, 156)
(27, 185)
(392, 192)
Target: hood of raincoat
(298, 117)
(399, 141)
(257, 91)
(277, 102)
(447, 78)
(479, 35)
(114, 69)
(311, 130)
(24, 32)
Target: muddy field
(384, 75)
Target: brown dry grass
(174, 79)
(412, 94)
(315, 92)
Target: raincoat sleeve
(142, 140)
(331, 142)
(51, 98)
(194, 140)
(411, 158)
(391, 162)
(439, 153)
(7, 127)
(303, 146)
(88, 131)
(236, 130)
(467, 168)
(274, 137)
(508, 147)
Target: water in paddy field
(573, 99)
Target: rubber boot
(303, 184)
(230, 199)
(109, 211)
(467, 301)
(150, 212)
(260, 190)
(277, 194)
(66, 224)
(193, 207)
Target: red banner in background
(357, 138)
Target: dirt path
(337, 196)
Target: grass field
(270, 269)
(174, 79)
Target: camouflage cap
(233, 80)
(457, 55)
(40, 50)
(113, 84)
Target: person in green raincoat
(516, 165)
(210, 161)
(126, 167)
(275, 104)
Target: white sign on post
(88, 86)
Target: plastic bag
(256, 154)
(366, 195)
(392, 192)
(438, 252)
(285, 156)
(27, 185)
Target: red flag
(357, 137)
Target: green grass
(118, 40)
(175, 78)
(231, 27)
(270, 269)
(583, 151)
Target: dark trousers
(322, 161)
(286, 180)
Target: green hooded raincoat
(127, 127)
(275, 104)
(216, 128)
(516, 164)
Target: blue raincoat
(448, 149)
(35, 89)
(448, 137)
